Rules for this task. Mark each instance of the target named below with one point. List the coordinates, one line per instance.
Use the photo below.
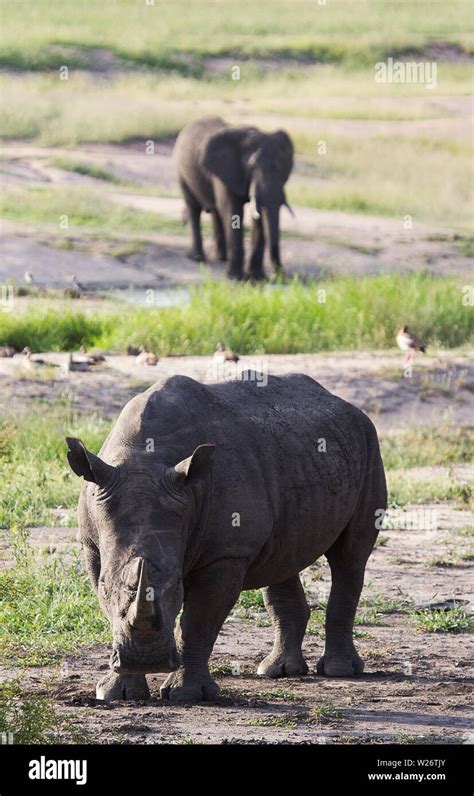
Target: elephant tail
(184, 215)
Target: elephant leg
(210, 595)
(257, 248)
(219, 235)
(231, 211)
(235, 242)
(289, 613)
(194, 210)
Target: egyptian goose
(409, 343)
(146, 357)
(7, 351)
(224, 355)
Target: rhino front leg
(210, 595)
(289, 613)
(122, 686)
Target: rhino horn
(141, 611)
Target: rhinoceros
(201, 491)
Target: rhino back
(290, 460)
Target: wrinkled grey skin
(257, 502)
(220, 168)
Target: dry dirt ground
(440, 388)
(316, 243)
(417, 686)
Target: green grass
(33, 469)
(404, 489)
(423, 447)
(84, 208)
(85, 169)
(380, 172)
(47, 608)
(34, 718)
(359, 313)
(444, 621)
(155, 35)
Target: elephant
(221, 168)
(203, 490)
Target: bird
(133, 350)
(77, 285)
(37, 362)
(81, 365)
(222, 354)
(7, 351)
(409, 343)
(92, 359)
(146, 357)
(29, 278)
(82, 362)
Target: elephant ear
(223, 157)
(286, 145)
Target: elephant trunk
(271, 220)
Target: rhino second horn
(141, 611)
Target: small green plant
(252, 598)
(326, 713)
(368, 617)
(466, 530)
(273, 721)
(381, 540)
(455, 620)
(316, 623)
(34, 719)
(278, 693)
(386, 605)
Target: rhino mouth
(126, 659)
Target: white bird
(409, 343)
(225, 355)
(29, 278)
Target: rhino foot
(122, 686)
(340, 665)
(182, 687)
(283, 665)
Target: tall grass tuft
(341, 314)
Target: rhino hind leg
(122, 686)
(289, 612)
(347, 559)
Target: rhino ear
(87, 464)
(194, 468)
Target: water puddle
(151, 297)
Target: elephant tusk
(253, 209)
